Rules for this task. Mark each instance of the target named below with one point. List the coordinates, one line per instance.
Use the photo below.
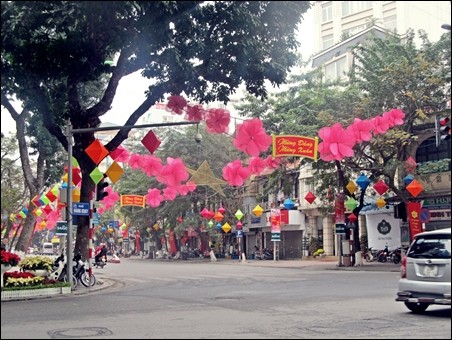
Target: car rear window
(432, 246)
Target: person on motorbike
(100, 253)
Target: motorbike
(81, 272)
(59, 272)
(266, 254)
(382, 256)
(101, 263)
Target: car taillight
(403, 268)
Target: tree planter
(25, 294)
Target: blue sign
(113, 224)
(80, 209)
(239, 233)
(95, 218)
(425, 216)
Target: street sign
(238, 233)
(425, 216)
(95, 218)
(276, 237)
(340, 228)
(80, 209)
(61, 228)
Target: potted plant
(38, 265)
(8, 260)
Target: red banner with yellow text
(289, 145)
(414, 211)
(132, 200)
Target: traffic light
(100, 190)
(442, 130)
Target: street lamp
(445, 26)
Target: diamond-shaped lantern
(408, 179)
(363, 181)
(415, 188)
(210, 223)
(218, 216)
(76, 177)
(288, 203)
(96, 151)
(258, 211)
(226, 227)
(380, 187)
(239, 225)
(114, 172)
(218, 226)
(380, 202)
(96, 175)
(239, 214)
(151, 142)
(310, 197)
(351, 204)
(352, 218)
(76, 194)
(221, 210)
(205, 213)
(351, 187)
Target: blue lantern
(288, 203)
(363, 181)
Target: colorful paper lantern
(351, 187)
(310, 197)
(218, 226)
(363, 181)
(288, 203)
(205, 213)
(380, 187)
(351, 204)
(239, 225)
(408, 179)
(218, 216)
(380, 202)
(415, 188)
(226, 227)
(96, 151)
(151, 142)
(239, 214)
(114, 172)
(258, 211)
(210, 223)
(96, 175)
(221, 210)
(352, 218)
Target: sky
(130, 92)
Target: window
(351, 7)
(337, 69)
(390, 23)
(427, 151)
(327, 41)
(352, 31)
(327, 11)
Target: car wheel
(416, 307)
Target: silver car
(425, 271)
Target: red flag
(414, 210)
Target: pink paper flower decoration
(151, 165)
(123, 157)
(361, 130)
(195, 113)
(176, 104)
(217, 120)
(183, 189)
(154, 198)
(169, 193)
(136, 161)
(256, 165)
(251, 137)
(272, 163)
(173, 173)
(380, 125)
(191, 186)
(394, 117)
(337, 143)
(235, 174)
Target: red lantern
(310, 197)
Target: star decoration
(205, 176)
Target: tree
(388, 73)
(52, 50)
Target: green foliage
(314, 245)
(442, 165)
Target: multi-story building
(337, 26)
